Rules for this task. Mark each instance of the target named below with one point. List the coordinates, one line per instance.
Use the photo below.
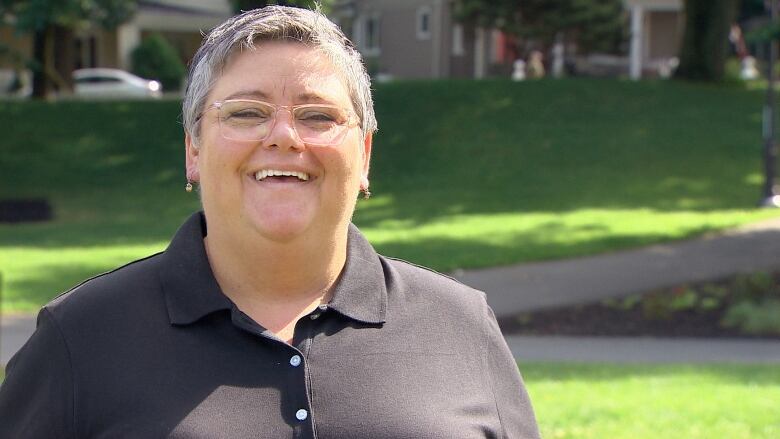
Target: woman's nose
(283, 133)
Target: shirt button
(295, 360)
(314, 316)
(301, 415)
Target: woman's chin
(281, 228)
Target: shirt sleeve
(512, 402)
(36, 397)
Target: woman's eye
(314, 116)
(247, 114)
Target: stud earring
(366, 193)
(188, 186)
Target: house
(181, 22)
(398, 39)
(420, 39)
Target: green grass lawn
(464, 174)
(653, 401)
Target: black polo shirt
(154, 349)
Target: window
(366, 34)
(457, 40)
(372, 34)
(84, 52)
(424, 23)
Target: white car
(113, 83)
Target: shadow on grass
(461, 148)
(447, 254)
(419, 204)
(104, 219)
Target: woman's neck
(259, 273)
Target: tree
(52, 23)
(593, 25)
(706, 39)
(155, 58)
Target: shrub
(755, 286)
(759, 318)
(155, 58)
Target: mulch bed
(607, 319)
(600, 320)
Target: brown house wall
(403, 54)
(666, 34)
(107, 43)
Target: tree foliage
(768, 31)
(751, 8)
(32, 15)
(706, 39)
(47, 20)
(155, 58)
(593, 25)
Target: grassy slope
(654, 401)
(465, 174)
(483, 175)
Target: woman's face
(278, 208)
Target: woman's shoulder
(123, 287)
(417, 281)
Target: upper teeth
(260, 175)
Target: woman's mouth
(279, 175)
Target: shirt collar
(192, 292)
(360, 292)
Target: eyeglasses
(253, 121)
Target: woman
(269, 315)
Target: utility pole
(770, 197)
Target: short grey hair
(275, 23)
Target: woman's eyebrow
(314, 97)
(306, 97)
(248, 94)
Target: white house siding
(656, 31)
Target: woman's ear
(366, 160)
(191, 157)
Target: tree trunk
(39, 81)
(705, 43)
(53, 63)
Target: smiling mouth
(277, 175)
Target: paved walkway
(539, 285)
(526, 287)
(643, 350)
(15, 332)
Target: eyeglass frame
(352, 121)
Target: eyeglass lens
(253, 121)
